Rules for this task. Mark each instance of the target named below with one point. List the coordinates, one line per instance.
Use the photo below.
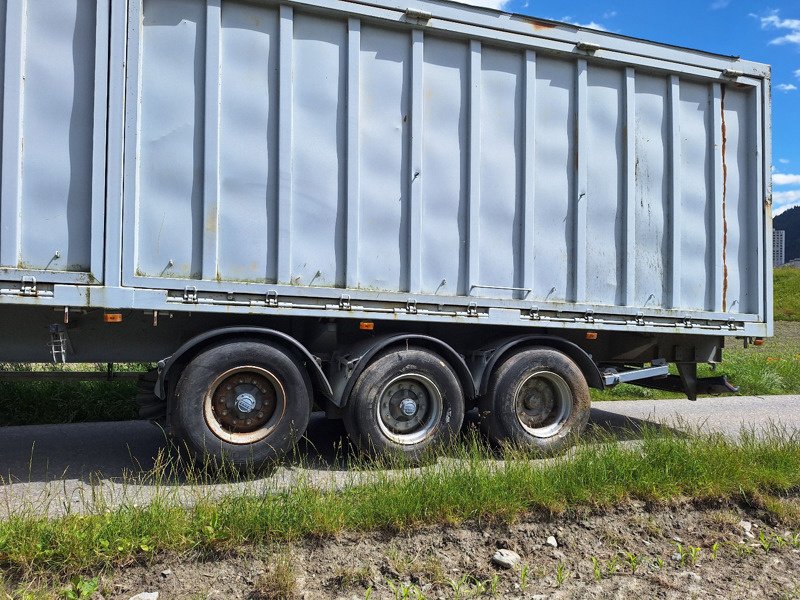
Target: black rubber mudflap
(151, 407)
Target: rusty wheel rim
(244, 405)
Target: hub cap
(244, 405)
(543, 403)
(409, 409)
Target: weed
(764, 541)
(407, 591)
(633, 561)
(714, 550)
(348, 577)
(523, 577)
(561, 573)
(279, 582)
(80, 589)
(694, 554)
(613, 565)
(597, 569)
(658, 563)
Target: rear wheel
(242, 403)
(404, 402)
(538, 398)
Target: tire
(379, 417)
(243, 404)
(538, 398)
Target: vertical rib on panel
(758, 204)
(765, 210)
(211, 149)
(353, 160)
(112, 275)
(717, 198)
(415, 182)
(473, 243)
(674, 93)
(99, 127)
(582, 125)
(529, 172)
(285, 146)
(12, 132)
(629, 263)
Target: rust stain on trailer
(724, 207)
(538, 25)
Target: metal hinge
(411, 307)
(419, 15)
(344, 303)
(472, 309)
(29, 286)
(272, 298)
(640, 319)
(534, 314)
(190, 295)
(687, 323)
(589, 316)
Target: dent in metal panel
(445, 167)
(697, 260)
(652, 189)
(741, 198)
(385, 149)
(501, 210)
(171, 149)
(555, 181)
(319, 152)
(248, 139)
(58, 133)
(605, 202)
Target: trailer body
(333, 170)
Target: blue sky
(759, 30)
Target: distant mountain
(790, 223)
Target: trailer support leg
(688, 375)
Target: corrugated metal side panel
(54, 72)
(277, 146)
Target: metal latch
(732, 73)
(344, 303)
(589, 316)
(411, 307)
(29, 286)
(272, 298)
(419, 15)
(587, 47)
(472, 309)
(640, 319)
(190, 295)
(534, 314)
(58, 343)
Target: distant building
(794, 264)
(778, 247)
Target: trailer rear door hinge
(190, 295)
(29, 286)
(418, 15)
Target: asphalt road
(62, 468)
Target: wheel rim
(244, 405)
(543, 403)
(409, 409)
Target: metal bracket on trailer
(659, 369)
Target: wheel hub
(244, 402)
(543, 404)
(409, 408)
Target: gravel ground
(456, 562)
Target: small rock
(145, 596)
(166, 573)
(551, 541)
(746, 525)
(539, 597)
(677, 538)
(507, 559)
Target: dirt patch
(678, 552)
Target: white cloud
(496, 4)
(589, 25)
(784, 161)
(610, 14)
(786, 87)
(718, 4)
(783, 200)
(797, 73)
(774, 21)
(785, 179)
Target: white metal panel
(248, 141)
(54, 56)
(555, 179)
(445, 167)
(501, 213)
(606, 201)
(385, 154)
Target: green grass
(787, 294)
(601, 475)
